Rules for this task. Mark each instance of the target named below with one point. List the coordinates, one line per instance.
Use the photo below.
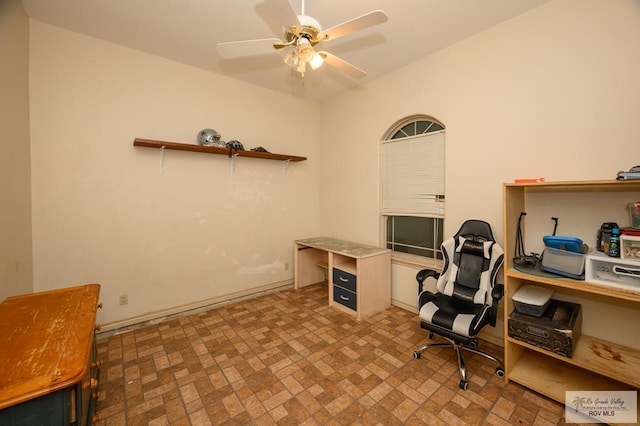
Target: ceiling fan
(302, 33)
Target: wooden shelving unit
(214, 150)
(597, 364)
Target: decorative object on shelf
(234, 144)
(633, 173)
(302, 34)
(614, 243)
(259, 149)
(604, 233)
(630, 248)
(521, 258)
(634, 211)
(209, 137)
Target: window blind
(413, 176)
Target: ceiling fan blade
(239, 49)
(356, 24)
(342, 65)
(283, 10)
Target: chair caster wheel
(416, 355)
(464, 384)
(499, 372)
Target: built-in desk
(358, 275)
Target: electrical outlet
(124, 299)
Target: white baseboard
(404, 306)
(155, 317)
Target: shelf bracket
(285, 166)
(162, 159)
(233, 158)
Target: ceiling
(187, 31)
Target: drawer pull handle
(91, 384)
(96, 418)
(97, 363)
(100, 305)
(98, 327)
(344, 280)
(626, 270)
(344, 298)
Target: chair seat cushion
(459, 316)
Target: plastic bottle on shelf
(614, 243)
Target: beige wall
(553, 93)
(15, 193)
(102, 212)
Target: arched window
(413, 198)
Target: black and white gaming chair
(467, 295)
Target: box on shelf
(557, 331)
(532, 300)
(612, 271)
(630, 247)
(563, 262)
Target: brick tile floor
(287, 358)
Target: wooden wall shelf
(214, 150)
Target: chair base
(461, 364)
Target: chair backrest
(472, 260)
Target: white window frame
(402, 157)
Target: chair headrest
(475, 248)
(476, 230)
(472, 247)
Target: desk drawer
(345, 298)
(344, 279)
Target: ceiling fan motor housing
(309, 28)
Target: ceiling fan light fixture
(301, 67)
(291, 58)
(316, 60)
(305, 51)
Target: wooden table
(47, 342)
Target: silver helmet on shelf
(209, 137)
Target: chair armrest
(497, 292)
(423, 275)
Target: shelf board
(616, 361)
(579, 186)
(213, 150)
(580, 285)
(551, 378)
(322, 264)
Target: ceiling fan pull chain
(162, 159)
